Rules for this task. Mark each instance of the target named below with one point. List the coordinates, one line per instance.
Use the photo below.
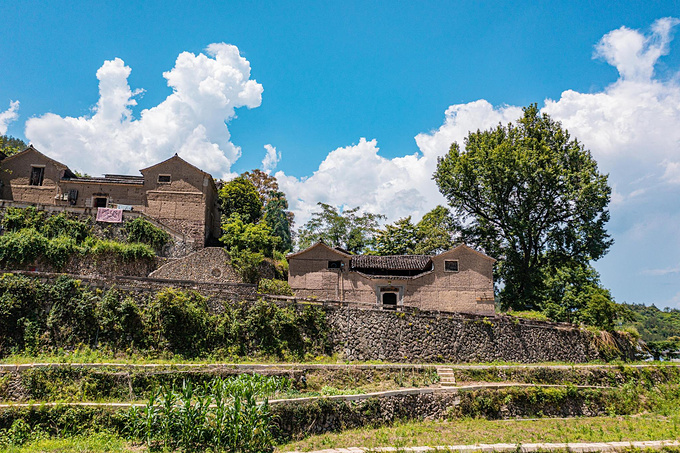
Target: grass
(80, 444)
(87, 355)
(476, 431)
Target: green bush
(273, 286)
(22, 247)
(247, 263)
(16, 219)
(127, 252)
(181, 322)
(143, 231)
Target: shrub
(143, 231)
(16, 219)
(72, 318)
(63, 225)
(273, 286)
(23, 246)
(127, 252)
(247, 263)
(181, 321)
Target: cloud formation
(358, 175)
(632, 127)
(271, 159)
(191, 121)
(9, 115)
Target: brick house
(173, 192)
(458, 280)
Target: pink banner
(109, 215)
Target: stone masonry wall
(368, 334)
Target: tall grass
(230, 414)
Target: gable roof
(319, 244)
(391, 262)
(175, 158)
(31, 149)
(467, 247)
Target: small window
(37, 174)
(335, 265)
(451, 266)
(163, 178)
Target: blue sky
(338, 92)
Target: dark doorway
(389, 301)
(100, 202)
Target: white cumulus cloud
(191, 121)
(358, 175)
(271, 159)
(9, 115)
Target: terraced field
(320, 406)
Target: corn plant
(229, 414)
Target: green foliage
(181, 322)
(654, 324)
(401, 238)
(120, 322)
(23, 246)
(433, 234)
(273, 286)
(10, 145)
(531, 197)
(72, 317)
(142, 231)
(31, 235)
(239, 196)
(126, 252)
(436, 232)
(39, 317)
(277, 218)
(533, 315)
(253, 237)
(346, 229)
(16, 219)
(574, 294)
(227, 414)
(247, 263)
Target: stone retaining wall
(370, 334)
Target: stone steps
(446, 376)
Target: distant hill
(654, 324)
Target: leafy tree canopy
(10, 145)
(254, 237)
(264, 183)
(530, 196)
(346, 229)
(434, 234)
(276, 217)
(239, 196)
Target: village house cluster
(184, 198)
(173, 192)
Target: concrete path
(577, 447)
(357, 397)
(13, 367)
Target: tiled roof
(109, 179)
(393, 262)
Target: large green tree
(239, 196)
(532, 197)
(346, 229)
(434, 234)
(10, 145)
(276, 216)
